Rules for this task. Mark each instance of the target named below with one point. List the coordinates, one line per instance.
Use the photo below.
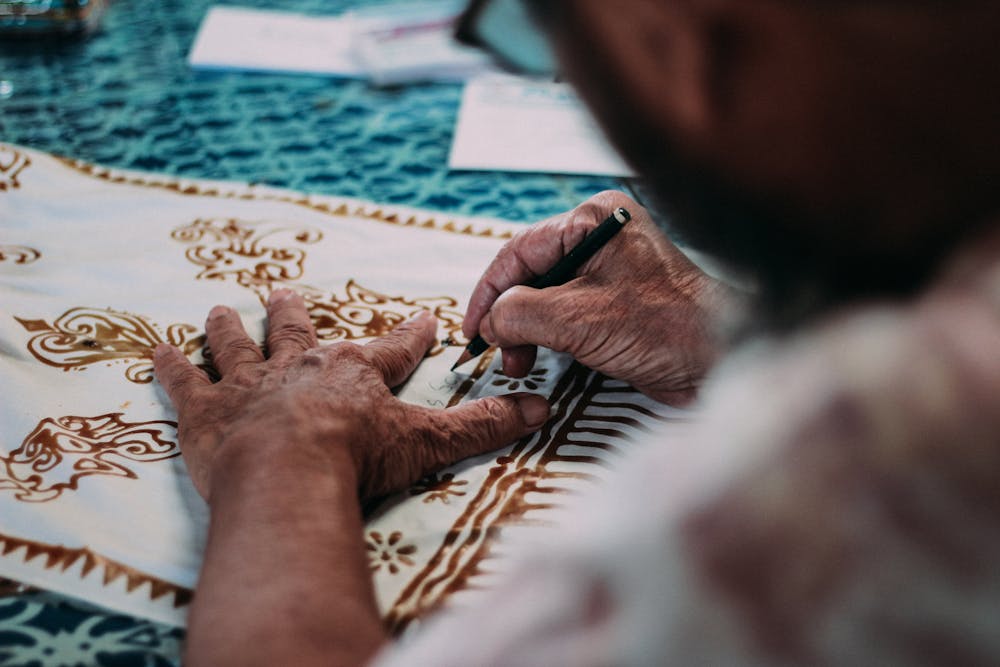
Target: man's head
(837, 148)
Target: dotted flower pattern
(532, 382)
(388, 552)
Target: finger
(554, 317)
(231, 346)
(536, 250)
(522, 259)
(397, 354)
(178, 376)
(290, 331)
(487, 424)
(518, 361)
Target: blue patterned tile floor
(126, 98)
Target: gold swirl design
(230, 248)
(528, 479)
(248, 253)
(12, 163)
(81, 337)
(60, 451)
(340, 210)
(364, 313)
(18, 254)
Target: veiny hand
(331, 406)
(638, 311)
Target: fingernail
(534, 409)
(279, 295)
(161, 351)
(486, 329)
(217, 311)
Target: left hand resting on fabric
(308, 406)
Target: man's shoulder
(878, 493)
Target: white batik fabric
(98, 266)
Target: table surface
(125, 97)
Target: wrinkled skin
(328, 404)
(638, 311)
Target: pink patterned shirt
(836, 502)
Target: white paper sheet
(252, 39)
(388, 44)
(514, 124)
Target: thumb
(526, 316)
(487, 424)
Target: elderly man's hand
(327, 407)
(638, 311)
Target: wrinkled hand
(310, 406)
(638, 311)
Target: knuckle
(595, 209)
(297, 334)
(312, 358)
(611, 198)
(238, 347)
(495, 413)
(244, 375)
(177, 382)
(504, 315)
(396, 361)
(343, 350)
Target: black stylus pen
(563, 271)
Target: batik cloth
(837, 502)
(99, 266)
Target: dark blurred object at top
(48, 18)
(506, 29)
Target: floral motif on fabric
(256, 255)
(263, 256)
(59, 452)
(359, 312)
(388, 552)
(531, 382)
(82, 337)
(12, 163)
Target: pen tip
(462, 359)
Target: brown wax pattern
(18, 254)
(250, 253)
(390, 552)
(262, 257)
(12, 163)
(62, 557)
(60, 451)
(359, 312)
(517, 481)
(439, 487)
(340, 210)
(83, 336)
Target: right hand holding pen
(638, 311)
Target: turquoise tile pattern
(125, 97)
